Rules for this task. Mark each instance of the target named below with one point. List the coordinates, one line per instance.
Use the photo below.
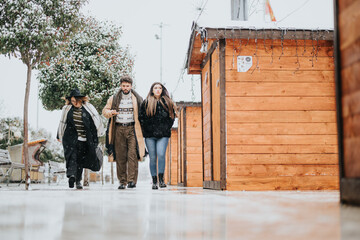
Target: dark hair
(82, 99)
(127, 79)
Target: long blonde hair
(152, 101)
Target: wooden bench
(5, 162)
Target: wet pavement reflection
(103, 212)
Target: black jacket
(157, 126)
(70, 139)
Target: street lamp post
(161, 25)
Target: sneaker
(122, 186)
(131, 185)
(71, 181)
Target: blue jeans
(157, 149)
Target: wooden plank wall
(206, 98)
(173, 156)
(349, 35)
(193, 147)
(280, 116)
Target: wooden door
(213, 118)
(348, 98)
(181, 149)
(167, 164)
(206, 122)
(174, 157)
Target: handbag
(99, 156)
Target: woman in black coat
(156, 116)
(79, 129)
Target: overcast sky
(140, 21)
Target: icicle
(192, 88)
(296, 50)
(255, 54)
(264, 40)
(234, 51)
(240, 42)
(248, 37)
(282, 43)
(272, 46)
(317, 44)
(313, 48)
(304, 42)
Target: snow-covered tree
(92, 60)
(10, 132)
(30, 30)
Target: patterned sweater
(126, 109)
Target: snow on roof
(294, 14)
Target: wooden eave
(195, 58)
(188, 104)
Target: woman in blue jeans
(156, 116)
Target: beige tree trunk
(112, 173)
(102, 167)
(26, 133)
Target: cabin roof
(199, 35)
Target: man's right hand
(114, 112)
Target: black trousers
(75, 165)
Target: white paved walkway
(103, 212)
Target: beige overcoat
(106, 112)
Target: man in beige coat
(125, 132)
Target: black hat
(75, 93)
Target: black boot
(161, 180)
(131, 185)
(154, 186)
(71, 181)
(78, 185)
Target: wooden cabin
(189, 146)
(347, 21)
(268, 108)
(171, 171)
